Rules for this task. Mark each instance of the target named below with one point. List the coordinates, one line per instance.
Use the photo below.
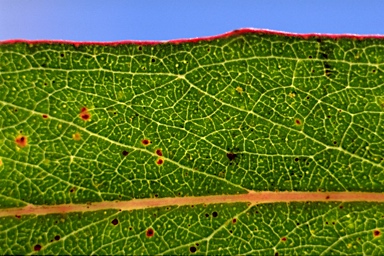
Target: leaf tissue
(252, 142)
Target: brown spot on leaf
(231, 156)
(376, 233)
(45, 116)
(21, 141)
(84, 114)
(297, 121)
(327, 197)
(37, 247)
(159, 153)
(192, 249)
(18, 216)
(125, 153)
(76, 136)
(234, 220)
(145, 142)
(214, 214)
(72, 190)
(159, 161)
(57, 238)
(283, 239)
(115, 222)
(150, 232)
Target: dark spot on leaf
(374, 70)
(125, 153)
(296, 159)
(153, 60)
(18, 216)
(376, 232)
(62, 55)
(150, 232)
(159, 153)
(214, 214)
(297, 224)
(21, 141)
(231, 156)
(234, 220)
(159, 161)
(115, 222)
(45, 116)
(276, 254)
(341, 207)
(325, 56)
(297, 121)
(84, 114)
(72, 190)
(145, 142)
(192, 249)
(156, 195)
(335, 142)
(283, 239)
(310, 57)
(37, 247)
(140, 48)
(327, 197)
(206, 215)
(57, 238)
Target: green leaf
(188, 146)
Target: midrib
(251, 197)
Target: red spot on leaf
(145, 142)
(37, 247)
(327, 197)
(18, 216)
(150, 232)
(234, 220)
(283, 239)
(45, 116)
(159, 153)
(21, 141)
(376, 233)
(159, 161)
(297, 121)
(84, 114)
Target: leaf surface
(102, 125)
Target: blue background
(110, 20)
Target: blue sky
(111, 20)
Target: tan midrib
(251, 197)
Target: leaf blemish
(125, 153)
(45, 116)
(214, 214)
(192, 249)
(37, 247)
(21, 141)
(297, 121)
(231, 156)
(376, 233)
(84, 114)
(159, 161)
(150, 233)
(145, 142)
(57, 238)
(234, 220)
(159, 152)
(76, 136)
(283, 239)
(115, 222)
